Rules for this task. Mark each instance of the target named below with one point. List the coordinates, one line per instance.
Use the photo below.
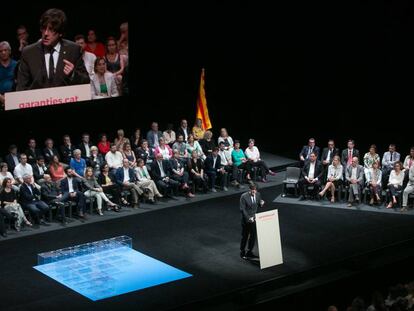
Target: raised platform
(275, 162)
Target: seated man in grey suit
(355, 177)
(249, 203)
(51, 61)
(409, 189)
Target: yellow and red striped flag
(202, 110)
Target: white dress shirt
(161, 169)
(126, 174)
(396, 179)
(311, 173)
(252, 154)
(55, 58)
(114, 160)
(70, 184)
(21, 170)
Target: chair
(292, 178)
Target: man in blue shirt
(7, 68)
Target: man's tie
(391, 156)
(51, 66)
(253, 200)
(349, 157)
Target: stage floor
(201, 238)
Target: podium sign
(47, 97)
(268, 238)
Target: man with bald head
(355, 177)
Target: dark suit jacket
(208, 164)
(247, 208)
(318, 169)
(27, 196)
(48, 156)
(83, 149)
(32, 68)
(156, 172)
(49, 191)
(140, 153)
(36, 172)
(344, 156)
(334, 152)
(180, 131)
(119, 175)
(33, 155)
(67, 153)
(10, 162)
(102, 181)
(305, 150)
(64, 185)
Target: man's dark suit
(10, 162)
(334, 152)
(79, 198)
(344, 156)
(303, 183)
(82, 148)
(248, 210)
(305, 152)
(50, 191)
(30, 200)
(162, 184)
(36, 172)
(180, 131)
(213, 170)
(32, 68)
(32, 155)
(67, 153)
(48, 154)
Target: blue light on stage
(105, 269)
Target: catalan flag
(202, 110)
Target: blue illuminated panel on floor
(111, 273)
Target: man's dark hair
(67, 168)
(252, 186)
(78, 37)
(54, 18)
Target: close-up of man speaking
(52, 61)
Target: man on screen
(52, 61)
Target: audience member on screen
(409, 160)
(183, 130)
(32, 151)
(103, 83)
(66, 150)
(7, 68)
(136, 139)
(373, 177)
(371, 157)
(169, 135)
(123, 41)
(23, 40)
(395, 183)
(408, 189)
(51, 61)
(334, 178)
(93, 46)
(88, 57)
(49, 151)
(354, 175)
(104, 145)
(153, 136)
(115, 62)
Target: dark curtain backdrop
(280, 73)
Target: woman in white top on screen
(334, 177)
(103, 83)
(395, 183)
(253, 155)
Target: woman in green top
(239, 159)
(103, 82)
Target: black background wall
(280, 73)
